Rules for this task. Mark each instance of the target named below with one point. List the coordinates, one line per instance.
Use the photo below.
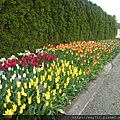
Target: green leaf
(61, 111)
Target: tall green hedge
(31, 24)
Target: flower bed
(45, 82)
(117, 38)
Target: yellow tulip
(50, 105)
(23, 106)
(54, 92)
(54, 98)
(14, 107)
(49, 77)
(21, 110)
(51, 73)
(71, 72)
(45, 85)
(63, 94)
(18, 95)
(47, 95)
(75, 70)
(80, 72)
(8, 92)
(25, 85)
(53, 62)
(45, 73)
(58, 64)
(37, 91)
(35, 84)
(18, 102)
(46, 103)
(43, 78)
(49, 88)
(60, 91)
(29, 84)
(72, 75)
(64, 74)
(38, 99)
(41, 82)
(50, 69)
(38, 69)
(9, 112)
(37, 80)
(29, 100)
(7, 98)
(84, 73)
(58, 72)
(61, 61)
(18, 83)
(22, 90)
(68, 79)
(57, 59)
(77, 74)
(57, 79)
(57, 86)
(65, 85)
(68, 73)
(24, 94)
(42, 64)
(63, 69)
(4, 105)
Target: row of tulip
(45, 82)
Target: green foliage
(31, 24)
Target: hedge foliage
(31, 24)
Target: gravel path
(107, 99)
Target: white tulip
(27, 71)
(9, 68)
(19, 76)
(23, 69)
(38, 50)
(34, 70)
(24, 75)
(0, 86)
(3, 77)
(42, 68)
(13, 57)
(20, 54)
(11, 80)
(2, 59)
(18, 67)
(15, 75)
(34, 76)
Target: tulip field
(44, 82)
